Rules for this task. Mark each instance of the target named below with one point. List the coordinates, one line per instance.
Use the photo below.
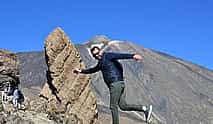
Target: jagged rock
(24, 117)
(66, 92)
(9, 71)
(2, 118)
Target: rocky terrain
(180, 91)
(64, 98)
(9, 68)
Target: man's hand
(137, 57)
(77, 70)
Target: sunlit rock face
(65, 91)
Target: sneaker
(148, 113)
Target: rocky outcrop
(66, 92)
(9, 69)
(24, 117)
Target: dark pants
(117, 98)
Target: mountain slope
(181, 92)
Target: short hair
(93, 48)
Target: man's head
(96, 52)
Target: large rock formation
(65, 91)
(9, 68)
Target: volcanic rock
(66, 92)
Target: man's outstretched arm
(87, 71)
(124, 56)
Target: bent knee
(113, 106)
(123, 107)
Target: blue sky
(183, 28)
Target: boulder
(9, 68)
(66, 92)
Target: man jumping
(112, 72)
